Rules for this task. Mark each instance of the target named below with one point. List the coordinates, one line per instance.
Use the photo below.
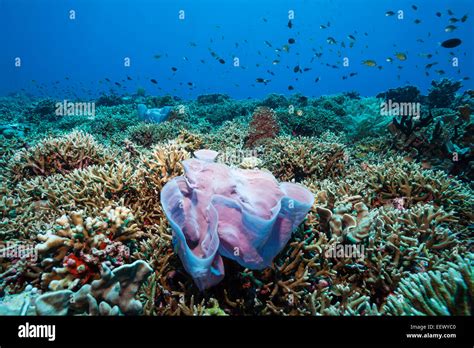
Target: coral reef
(77, 150)
(442, 93)
(449, 292)
(76, 247)
(112, 294)
(84, 217)
(407, 94)
(262, 127)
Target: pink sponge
(244, 215)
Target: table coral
(243, 215)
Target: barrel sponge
(244, 215)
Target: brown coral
(61, 155)
(263, 126)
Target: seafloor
(83, 194)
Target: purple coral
(244, 215)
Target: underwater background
(236, 157)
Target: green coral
(435, 292)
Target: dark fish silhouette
(451, 43)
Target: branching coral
(148, 134)
(299, 158)
(77, 246)
(263, 126)
(436, 293)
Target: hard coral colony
(288, 205)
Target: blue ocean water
(66, 54)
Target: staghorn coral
(77, 150)
(77, 245)
(262, 127)
(149, 134)
(299, 158)
(436, 293)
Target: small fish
(153, 81)
(190, 83)
(451, 13)
(106, 79)
(286, 48)
(464, 18)
(453, 20)
(222, 61)
(417, 21)
(322, 26)
(307, 69)
(290, 24)
(290, 88)
(331, 40)
(350, 37)
(451, 43)
(440, 72)
(438, 14)
(414, 7)
(401, 56)
(389, 13)
(157, 56)
(268, 43)
(426, 55)
(265, 20)
(174, 69)
(450, 28)
(193, 44)
(262, 80)
(118, 84)
(291, 41)
(129, 78)
(389, 60)
(296, 69)
(275, 62)
(428, 66)
(353, 74)
(369, 62)
(420, 40)
(316, 80)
